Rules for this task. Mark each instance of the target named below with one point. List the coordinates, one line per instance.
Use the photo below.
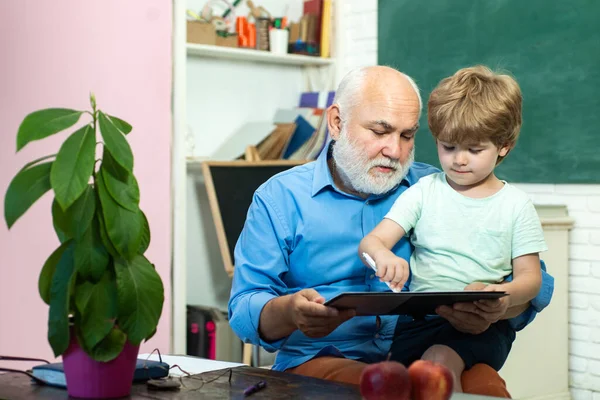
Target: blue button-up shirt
(303, 232)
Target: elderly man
(299, 244)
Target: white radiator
(538, 365)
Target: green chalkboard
(552, 48)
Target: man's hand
(463, 321)
(464, 316)
(392, 269)
(314, 319)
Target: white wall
(583, 202)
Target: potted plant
(105, 297)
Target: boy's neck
(482, 189)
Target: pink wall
(53, 53)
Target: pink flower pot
(90, 379)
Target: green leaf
(111, 166)
(140, 298)
(115, 142)
(97, 304)
(81, 213)
(145, 234)
(60, 222)
(24, 190)
(60, 295)
(104, 236)
(124, 227)
(83, 292)
(150, 335)
(120, 124)
(110, 347)
(121, 185)
(47, 273)
(37, 160)
(43, 123)
(91, 258)
(73, 166)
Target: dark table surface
(209, 385)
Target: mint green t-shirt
(459, 240)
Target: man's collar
(323, 178)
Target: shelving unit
(216, 90)
(237, 54)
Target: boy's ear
(334, 122)
(504, 150)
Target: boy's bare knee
(444, 355)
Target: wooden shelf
(236, 54)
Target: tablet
(416, 304)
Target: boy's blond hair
(476, 105)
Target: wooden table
(209, 385)
(212, 385)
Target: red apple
(385, 380)
(430, 380)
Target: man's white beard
(357, 170)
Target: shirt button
(377, 336)
(372, 276)
(367, 202)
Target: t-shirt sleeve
(406, 210)
(528, 236)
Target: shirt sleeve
(406, 210)
(261, 259)
(528, 236)
(540, 302)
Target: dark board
(234, 184)
(552, 48)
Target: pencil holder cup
(278, 40)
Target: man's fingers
(443, 311)
(311, 294)
(463, 321)
(323, 326)
(345, 315)
(319, 300)
(465, 307)
(490, 317)
(313, 309)
(489, 305)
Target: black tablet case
(416, 304)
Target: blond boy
(467, 226)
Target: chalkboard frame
(214, 201)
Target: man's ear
(334, 122)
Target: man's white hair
(348, 91)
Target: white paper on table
(192, 365)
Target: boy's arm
(383, 237)
(526, 283)
(377, 244)
(527, 280)
(402, 217)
